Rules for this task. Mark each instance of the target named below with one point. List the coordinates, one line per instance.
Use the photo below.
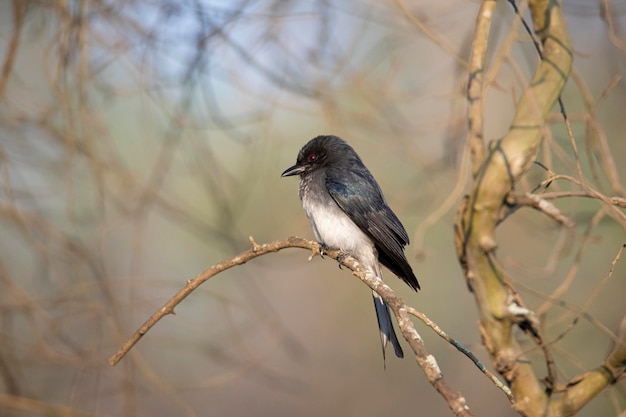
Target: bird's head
(322, 151)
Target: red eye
(311, 158)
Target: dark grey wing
(360, 197)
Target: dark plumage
(347, 210)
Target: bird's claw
(340, 258)
(321, 250)
(324, 248)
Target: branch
(401, 311)
(616, 201)
(494, 178)
(538, 202)
(192, 284)
(475, 84)
(501, 309)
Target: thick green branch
(506, 160)
(475, 84)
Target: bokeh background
(142, 141)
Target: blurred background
(142, 141)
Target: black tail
(387, 333)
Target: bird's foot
(342, 257)
(321, 250)
(324, 249)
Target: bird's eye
(311, 158)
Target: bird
(348, 211)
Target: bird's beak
(294, 170)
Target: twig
(616, 201)
(611, 203)
(459, 346)
(539, 203)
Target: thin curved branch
(616, 201)
(425, 360)
(539, 203)
(192, 284)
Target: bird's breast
(332, 226)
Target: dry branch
(425, 360)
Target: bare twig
(616, 201)
(539, 203)
(459, 346)
(611, 204)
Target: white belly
(335, 229)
